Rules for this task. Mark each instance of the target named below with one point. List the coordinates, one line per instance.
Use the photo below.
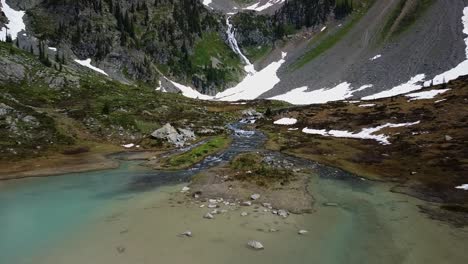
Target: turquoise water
(36, 212)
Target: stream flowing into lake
(133, 214)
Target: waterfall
(249, 68)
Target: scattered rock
(201, 206)
(187, 233)
(283, 213)
(302, 232)
(448, 138)
(246, 203)
(214, 212)
(255, 244)
(272, 230)
(185, 189)
(255, 196)
(208, 216)
(212, 205)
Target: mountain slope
(430, 43)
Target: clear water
(37, 212)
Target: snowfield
(254, 84)
(285, 121)
(365, 133)
(15, 24)
(87, 63)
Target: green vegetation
(253, 168)
(256, 53)
(213, 56)
(198, 153)
(333, 38)
(403, 16)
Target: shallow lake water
(134, 215)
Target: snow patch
(87, 63)
(321, 30)
(15, 22)
(285, 121)
(300, 96)
(255, 84)
(462, 187)
(367, 105)
(260, 7)
(207, 2)
(412, 85)
(52, 48)
(375, 57)
(426, 94)
(190, 92)
(365, 133)
(130, 145)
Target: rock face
(177, 137)
(11, 71)
(255, 245)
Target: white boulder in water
(255, 244)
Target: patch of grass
(198, 153)
(332, 39)
(211, 47)
(407, 18)
(251, 167)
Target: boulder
(177, 137)
(255, 245)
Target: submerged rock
(187, 233)
(255, 196)
(120, 249)
(208, 216)
(283, 213)
(255, 244)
